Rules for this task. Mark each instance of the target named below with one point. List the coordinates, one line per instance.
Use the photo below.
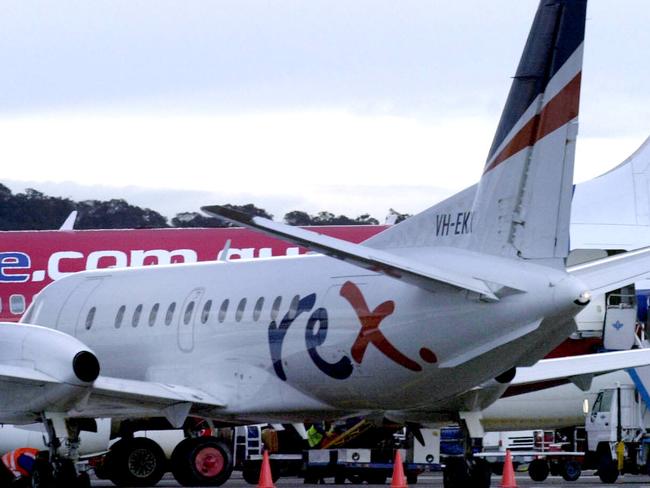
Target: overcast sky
(349, 106)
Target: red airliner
(29, 260)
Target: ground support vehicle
(361, 453)
(618, 430)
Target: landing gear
(461, 473)
(51, 470)
(202, 461)
(135, 461)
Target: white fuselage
(294, 348)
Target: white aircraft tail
(521, 206)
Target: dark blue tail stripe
(558, 30)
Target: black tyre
(571, 470)
(136, 462)
(538, 470)
(480, 474)
(204, 461)
(375, 478)
(412, 478)
(42, 476)
(355, 478)
(83, 480)
(607, 471)
(339, 478)
(65, 474)
(455, 474)
(251, 472)
(497, 468)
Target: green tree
(298, 217)
(117, 214)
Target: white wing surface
(415, 273)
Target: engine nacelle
(42, 369)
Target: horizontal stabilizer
(610, 273)
(574, 367)
(418, 274)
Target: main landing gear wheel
(202, 461)
(136, 461)
(60, 474)
(458, 473)
(480, 474)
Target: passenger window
(258, 308)
(240, 310)
(188, 312)
(17, 304)
(223, 310)
(119, 317)
(275, 309)
(90, 317)
(136, 316)
(293, 306)
(153, 314)
(205, 314)
(169, 316)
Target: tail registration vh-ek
(426, 322)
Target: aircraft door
(186, 320)
(75, 304)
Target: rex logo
(316, 335)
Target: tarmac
(587, 480)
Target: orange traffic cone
(508, 479)
(398, 480)
(266, 480)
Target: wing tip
(228, 214)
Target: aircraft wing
(610, 273)
(415, 273)
(107, 396)
(117, 397)
(580, 369)
(44, 369)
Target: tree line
(33, 210)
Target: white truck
(618, 431)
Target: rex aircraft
(428, 321)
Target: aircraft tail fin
(523, 203)
(521, 206)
